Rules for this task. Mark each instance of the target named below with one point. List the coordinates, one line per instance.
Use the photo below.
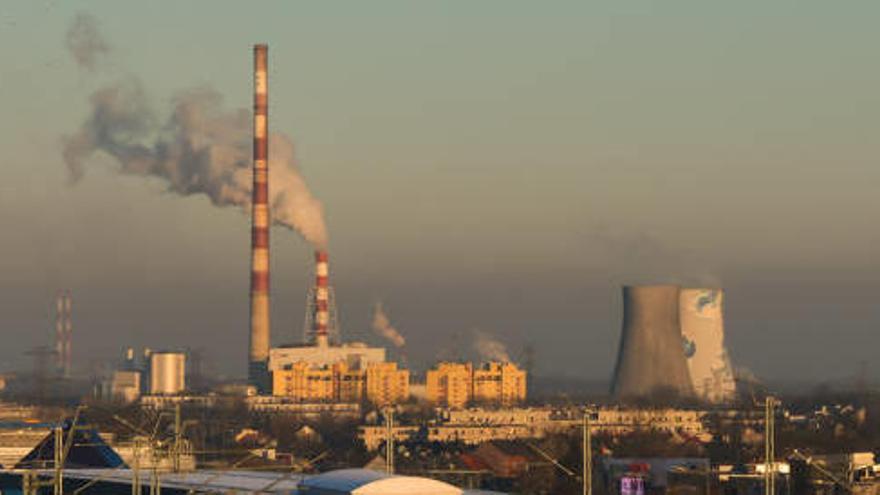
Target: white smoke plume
(200, 148)
(490, 348)
(85, 42)
(382, 326)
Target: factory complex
(672, 338)
(307, 412)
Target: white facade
(167, 373)
(356, 355)
(702, 327)
(126, 386)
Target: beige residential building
(450, 384)
(301, 381)
(456, 385)
(379, 383)
(386, 384)
(499, 383)
(348, 383)
(477, 425)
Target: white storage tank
(167, 373)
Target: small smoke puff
(85, 43)
(489, 348)
(382, 326)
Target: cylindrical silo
(167, 373)
(651, 358)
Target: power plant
(322, 345)
(702, 327)
(259, 323)
(673, 342)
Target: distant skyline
(501, 166)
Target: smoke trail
(489, 348)
(85, 42)
(200, 148)
(382, 327)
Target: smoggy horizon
(481, 170)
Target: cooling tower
(258, 356)
(651, 358)
(702, 326)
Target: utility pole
(389, 440)
(769, 446)
(588, 454)
(177, 434)
(57, 482)
(136, 469)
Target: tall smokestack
(259, 335)
(68, 330)
(59, 332)
(322, 298)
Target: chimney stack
(63, 330)
(59, 332)
(322, 299)
(259, 334)
(68, 331)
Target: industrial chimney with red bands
(259, 334)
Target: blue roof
(344, 479)
(369, 482)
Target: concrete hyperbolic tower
(702, 326)
(651, 359)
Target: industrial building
(459, 384)
(323, 368)
(354, 355)
(322, 347)
(125, 386)
(326, 370)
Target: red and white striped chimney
(59, 332)
(259, 334)
(322, 299)
(68, 331)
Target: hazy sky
(500, 165)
